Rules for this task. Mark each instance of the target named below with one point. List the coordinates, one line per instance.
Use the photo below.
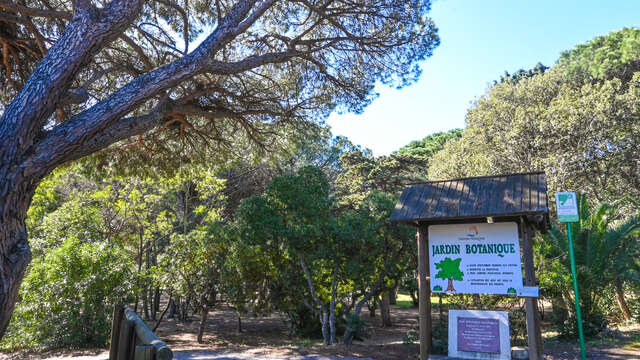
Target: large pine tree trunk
(15, 254)
(25, 158)
(30, 148)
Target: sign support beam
(424, 292)
(583, 352)
(567, 209)
(534, 334)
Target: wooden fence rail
(131, 339)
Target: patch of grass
(404, 301)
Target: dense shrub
(67, 296)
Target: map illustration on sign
(449, 270)
(479, 258)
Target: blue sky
(479, 41)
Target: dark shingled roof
(475, 197)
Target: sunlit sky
(479, 41)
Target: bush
(606, 251)
(303, 322)
(66, 298)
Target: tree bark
(393, 294)
(14, 247)
(28, 152)
(203, 321)
(325, 327)
(324, 319)
(385, 312)
(148, 298)
(347, 338)
(140, 233)
(373, 305)
(31, 146)
(155, 327)
(622, 303)
(332, 306)
(172, 309)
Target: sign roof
(509, 196)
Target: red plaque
(479, 335)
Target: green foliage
(522, 74)
(578, 122)
(430, 145)
(360, 329)
(290, 223)
(364, 174)
(582, 135)
(293, 223)
(67, 297)
(615, 55)
(606, 252)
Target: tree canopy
(173, 77)
(582, 134)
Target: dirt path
(248, 355)
(266, 339)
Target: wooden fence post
(424, 292)
(161, 350)
(126, 339)
(115, 331)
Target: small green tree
(449, 270)
(293, 218)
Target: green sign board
(567, 206)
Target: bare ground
(266, 338)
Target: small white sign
(529, 291)
(476, 334)
(475, 258)
(567, 207)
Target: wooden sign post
(424, 293)
(519, 198)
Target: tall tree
(581, 129)
(295, 215)
(87, 74)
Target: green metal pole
(583, 352)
